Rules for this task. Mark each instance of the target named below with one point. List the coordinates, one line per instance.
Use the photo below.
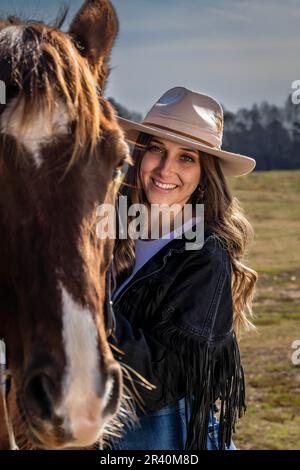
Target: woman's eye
(154, 148)
(188, 157)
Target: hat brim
(233, 164)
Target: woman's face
(169, 172)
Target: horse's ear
(94, 30)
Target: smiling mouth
(164, 186)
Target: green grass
(272, 203)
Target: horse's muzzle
(60, 420)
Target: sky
(239, 51)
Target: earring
(201, 189)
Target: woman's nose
(166, 167)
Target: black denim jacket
(174, 325)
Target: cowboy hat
(194, 120)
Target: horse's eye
(120, 170)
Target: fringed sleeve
(197, 324)
(191, 349)
(211, 370)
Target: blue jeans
(164, 430)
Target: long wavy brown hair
(223, 214)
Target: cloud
(221, 47)
(241, 42)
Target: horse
(60, 144)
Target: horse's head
(59, 145)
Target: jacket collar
(158, 261)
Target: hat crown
(194, 114)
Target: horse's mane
(46, 66)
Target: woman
(178, 311)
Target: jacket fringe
(212, 371)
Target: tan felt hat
(194, 120)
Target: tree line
(268, 133)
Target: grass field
(272, 202)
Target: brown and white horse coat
(59, 145)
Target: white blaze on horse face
(40, 128)
(81, 406)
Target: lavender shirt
(144, 250)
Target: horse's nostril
(39, 396)
(112, 391)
